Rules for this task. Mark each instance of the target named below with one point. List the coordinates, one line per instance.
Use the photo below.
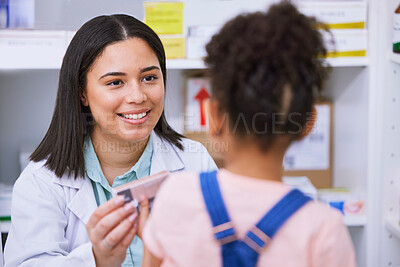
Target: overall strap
(223, 227)
(260, 235)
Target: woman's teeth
(134, 116)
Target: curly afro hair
(266, 71)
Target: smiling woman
(108, 129)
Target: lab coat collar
(83, 203)
(165, 156)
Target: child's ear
(84, 99)
(215, 118)
(311, 119)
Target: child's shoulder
(180, 186)
(318, 215)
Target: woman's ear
(84, 99)
(311, 119)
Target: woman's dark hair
(266, 70)
(63, 143)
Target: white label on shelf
(396, 28)
(312, 153)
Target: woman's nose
(135, 94)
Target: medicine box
(338, 14)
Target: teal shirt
(102, 190)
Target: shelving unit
(30, 49)
(392, 225)
(365, 99)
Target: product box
(174, 46)
(32, 49)
(148, 186)
(164, 17)
(349, 203)
(312, 156)
(347, 43)
(198, 91)
(17, 14)
(197, 39)
(338, 14)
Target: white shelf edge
(348, 62)
(185, 64)
(395, 58)
(393, 227)
(355, 221)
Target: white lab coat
(49, 214)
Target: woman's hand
(144, 214)
(111, 229)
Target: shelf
(395, 58)
(355, 221)
(34, 49)
(180, 64)
(392, 226)
(334, 62)
(348, 62)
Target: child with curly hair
(266, 71)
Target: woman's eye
(149, 78)
(114, 83)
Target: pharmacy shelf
(348, 62)
(395, 58)
(392, 226)
(334, 62)
(34, 49)
(355, 221)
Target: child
(266, 71)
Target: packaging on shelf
(5, 201)
(197, 39)
(396, 31)
(174, 46)
(32, 49)
(17, 14)
(198, 91)
(312, 156)
(164, 17)
(350, 204)
(347, 43)
(337, 15)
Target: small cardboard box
(338, 14)
(312, 156)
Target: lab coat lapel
(83, 202)
(165, 156)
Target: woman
(108, 129)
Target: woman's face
(125, 91)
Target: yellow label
(357, 53)
(348, 25)
(174, 47)
(164, 17)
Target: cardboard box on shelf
(347, 43)
(174, 45)
(312, 156)
(337, 14)
(197, 93)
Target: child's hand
(144, 214)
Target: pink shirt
(179, 229)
